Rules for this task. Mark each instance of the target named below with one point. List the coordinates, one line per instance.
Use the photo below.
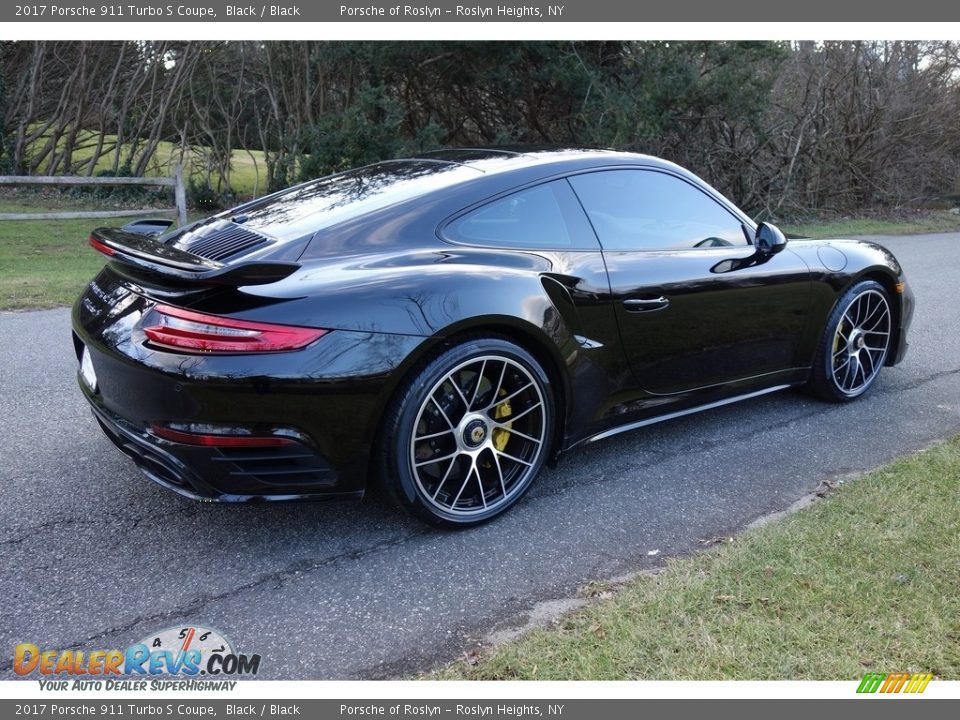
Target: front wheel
(467, 435)
(854, 345)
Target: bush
(203, 197)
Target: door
(696, 305)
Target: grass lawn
(46, 262)
(867, 580)
(932, 221)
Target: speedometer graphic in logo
(182, 639)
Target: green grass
(867, 580)
(46, 262)
(926, 222)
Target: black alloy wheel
(855, 343)
(469, 433)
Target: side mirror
(769, 239)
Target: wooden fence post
(180, 196)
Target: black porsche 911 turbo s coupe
(443, 325)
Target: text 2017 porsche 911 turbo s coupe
(444, 325)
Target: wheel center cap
(857, 341)
(474, 433)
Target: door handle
(645, 304)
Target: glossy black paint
(624, 336)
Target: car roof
(331, 200)
(504, 158)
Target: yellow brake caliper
(836, 341)
(502, 435)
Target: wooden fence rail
(176, 182)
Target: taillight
(100, 247)
(179, 329)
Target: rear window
(338, 198)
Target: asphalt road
(94, 556)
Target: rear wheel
(468, 434)
(855, 343)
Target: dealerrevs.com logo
(185, 652)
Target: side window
(649, 210)
(543, 216)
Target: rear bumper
(326, 397)
(222, 474)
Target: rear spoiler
(146, 254)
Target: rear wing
(144, 253)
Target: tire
(465, 436)
(854, 345)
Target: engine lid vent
(220, 241)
